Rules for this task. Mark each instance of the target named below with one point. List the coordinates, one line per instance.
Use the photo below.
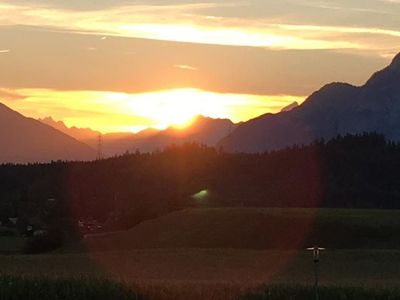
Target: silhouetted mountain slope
(337, 108)
(28, 140)
(290, 106)
(203, 130)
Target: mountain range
(337, 108)
(202, 130)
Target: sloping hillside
(27, 140)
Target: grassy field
(11, 244)
(376, 268)
(223, 254)
(253, 228)
(167, 274)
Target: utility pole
(100, 147)
(316, 252)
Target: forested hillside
(361, 171)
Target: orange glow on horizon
(124, 112)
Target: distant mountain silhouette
(112, 143)
(27, 140)
(203, 130)
(337, 108)
(86, 135)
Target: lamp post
(316, 252)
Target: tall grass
(325, 293)
(31, 288)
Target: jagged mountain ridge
(81, 134)
(337, 108)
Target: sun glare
(177, 107)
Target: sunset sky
(125, 65)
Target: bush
(6, 231)
(49, 241)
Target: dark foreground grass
(325, 293)
(372, 268)
(31, 288)
(25, 288)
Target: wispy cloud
(186, 67)
(142, 65)
(10, 95)
(5, 50)
(181, 23)
(349, 6)
(391, 1)
(339, 29)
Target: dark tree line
(354, 171)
